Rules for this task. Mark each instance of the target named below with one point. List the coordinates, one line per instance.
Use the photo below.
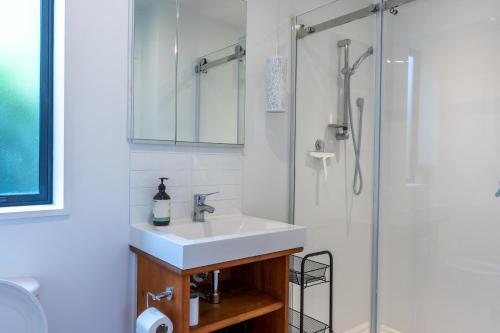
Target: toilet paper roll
(150, 320)
(194, 310)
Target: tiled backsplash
(189, 171)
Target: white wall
(190, 171)
(265, 170)
(266, 155)
(81, 259)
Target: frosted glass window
(25, 102)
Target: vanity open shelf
(241, 303)
(254, 290)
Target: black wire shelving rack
(306, 273)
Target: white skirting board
(365, 328)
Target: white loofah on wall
(276, 84)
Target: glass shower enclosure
(395, 162)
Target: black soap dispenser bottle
(161, 206)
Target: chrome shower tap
(200, 207)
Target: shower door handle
(498, 192)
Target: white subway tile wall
(189, 171)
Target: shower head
(362, 58)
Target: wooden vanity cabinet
(253, 290)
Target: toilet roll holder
(167, 294)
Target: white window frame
(59, 206)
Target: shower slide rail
(204, 65)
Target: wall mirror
(188, 71)
(154, 70)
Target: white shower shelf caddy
(324, 157)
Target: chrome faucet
(200, 207)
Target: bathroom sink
(186, 244)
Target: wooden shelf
(252, 289)
(237, 305)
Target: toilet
(20, 310)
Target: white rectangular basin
(186, 244)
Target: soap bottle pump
(161, 206)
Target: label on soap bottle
(161, 211)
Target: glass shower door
(336, 219)
(440, 163)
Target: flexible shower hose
(356, 141)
